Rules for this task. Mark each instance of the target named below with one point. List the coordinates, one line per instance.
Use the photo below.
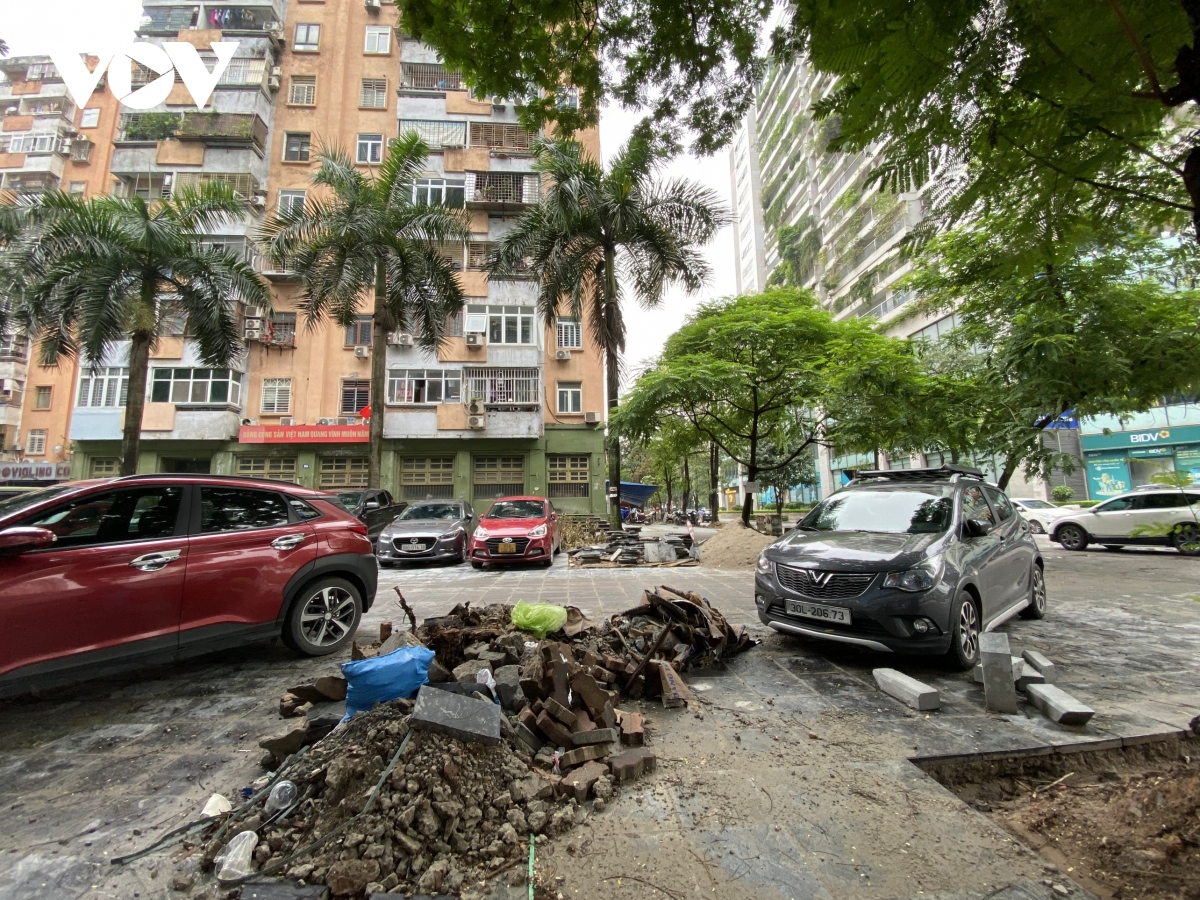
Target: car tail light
(358, 528)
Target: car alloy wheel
(324, 617)
(1037, 596)
(1036, 527)
(1186, 539)
(968, 631)
(1072, 537)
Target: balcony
(244, 184)
(429, 78)
(35, 183)
(503, 388)
(502, 190)
(500, 137)
(224, 128)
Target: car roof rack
(949, 472)
(253, 478)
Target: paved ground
(746, 802)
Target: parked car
(428, 529)
(517, 529)
(907, 560)
(373, 506)
(103, 575)
(1167, 517)
(1040, 514)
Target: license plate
(506, 547)
(835, 614)
(415, 548)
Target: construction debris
(907, 690)
(627, 548)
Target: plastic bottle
(282, 796)
(236, 860)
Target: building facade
(506, 405)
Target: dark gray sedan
(429, 530)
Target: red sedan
(517, 529)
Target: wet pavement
(796, 781)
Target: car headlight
(452, 535)
(764, 565)
(918, 578)
(540, 531)
(481, 533)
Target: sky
(31, 26)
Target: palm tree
(98, 272)
(371, 235)
(594, 229)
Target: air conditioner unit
(362, 352)
(347, 420)
(275, 29)
(7, 386)
(476, 407)
(591, 418)
(258, 202)
(249, 421)
(254, 331)
(404, 340)
(276, 71)
(326, 421)
(477, 422)
(373, 5)
(287, 420)
(274, 82)
(474, 340)
(562, 355)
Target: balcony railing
(223, 127)
(503, 387)
(432, 77)
(437, 134)
(243, 183)
(497, 136)
(477, 259)
(502, 188)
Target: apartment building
(504, 406)
(749, 236)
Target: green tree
(95, 273)
(799, 471)
(597, 234)
(369, 238)
(799, 249)
(771, 369)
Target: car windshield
(349, 499)
(890, 510)
(18, 502)
(432, 511)
(517, 509)
(1036, 504)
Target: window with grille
(498, 476)
(241, 182)
(436, 134)
(347, 472)
(297, 146)
(292, 202)
(81, 150)
(41, 396)
(427, 476)
(508, 324)
(283, 329)
(567, 476)
(570, 397)
(373, 94)
(497, 136)
(105, 467)
(267, 467)
(78, 188)
(355, 395)
(103, 387)
(359, 334)
(277, 395)
(454, 327)
(303, 90)
(370, 148)
(221, 386)
(379, 39)
(477, 255)
(37, 442)
(429, 77)
(570, 334)
(425, 386)
(308, 37)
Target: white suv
(1040, 514)
(1169, 517)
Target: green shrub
(1062, 494)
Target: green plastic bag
(539, 619)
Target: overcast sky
(30, 27)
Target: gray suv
(908, 561)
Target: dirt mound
(733, 547)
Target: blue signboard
(1107, 477)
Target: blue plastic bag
(382, 678)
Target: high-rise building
(749, 240)
(504, 406)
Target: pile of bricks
(626, 548)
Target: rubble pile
(627, 548)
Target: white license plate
(506, 547)
(836, 614)
(415, 548)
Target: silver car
(428, 530)
(1040, 514)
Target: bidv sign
(171, 57)
(1148, 437)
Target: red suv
(110, 574)
(517, 529)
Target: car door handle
(152, 562)
(288, 541)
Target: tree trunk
(381, 325)
(748, 500)
(714, 476)
(687, 483)
(667, 482)
(1010, 466)
(612, 362)
(135, 405)
(779, 501)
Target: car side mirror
(21, 539)
(371, 504)
(974, 528)
(553, 517)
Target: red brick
(583, 722)
(558, 735)
(560, 712)
(591, 693)
(632, 764)
(633, 733)
(578, 783)
(582, 755)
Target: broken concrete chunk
(594, 736)
(397, 639)
(462, 717)
(508, 686)
(1059, 706)
(284, 745)
(439, 674)
(907, 690)
(593, 696)
(468, 672)
(528, 737)
(999, 691)
(1041, 663)
(333, 687)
